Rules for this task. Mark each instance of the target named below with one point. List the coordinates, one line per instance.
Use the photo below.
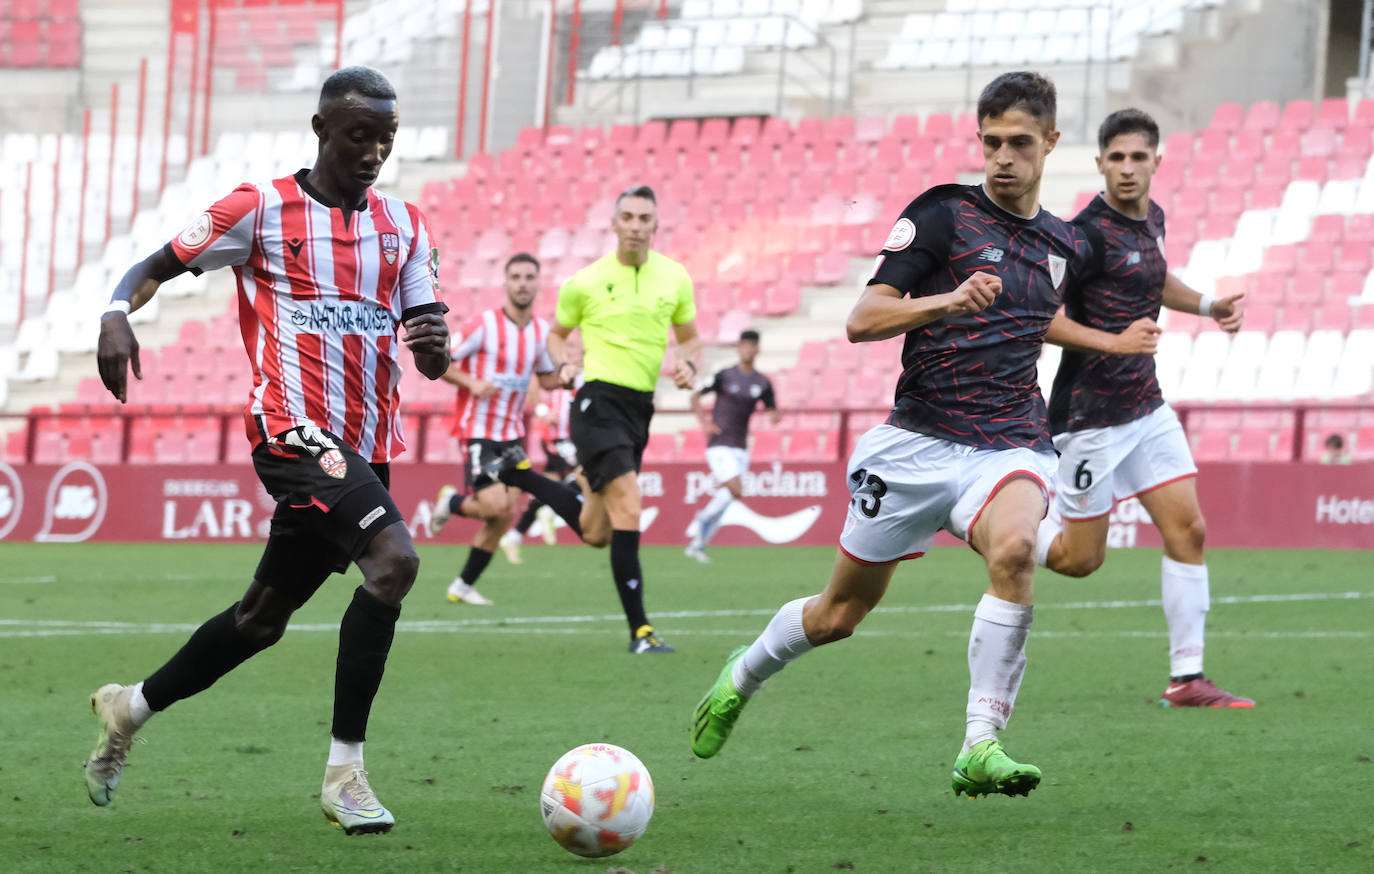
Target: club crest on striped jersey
(333, 463)
(391, 247)
(903, 232)
(1058, 265)
(197, 232)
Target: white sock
(1050, 527)
(345, 752)
(996, 661)
(1186, 599)
(784, 640)
(139, 709)
(710, 515)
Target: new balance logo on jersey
(992, 254)
(1133, 259)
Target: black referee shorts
(610, 428)
(331, 503)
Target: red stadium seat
(1297, 115)
(938, 126)
(661, 448)
(693, 445)
(1228, 116)
(908, 127)
(1262, 116)
(767, 445)
(745, 131)
(1333, 113)
(871, 129)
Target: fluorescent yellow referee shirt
(624, 313)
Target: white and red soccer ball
(597, 800)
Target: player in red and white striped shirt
(496, 357)
(327, 270)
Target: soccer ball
(597, 800)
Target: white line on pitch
(28, 579)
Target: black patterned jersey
(737, 395)
(971, 379)
(1126, 283)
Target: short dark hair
(1335, 441)
(364, 81)
(521, 258)
(1128, 121)
(749, 334)
(1023, 90)
(643, 191)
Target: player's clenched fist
(976, 293)
(1141, 337)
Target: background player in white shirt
(497, 356)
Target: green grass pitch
(842, 763)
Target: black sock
(478, 559)
(527, 518)
(1186, 678)
(215, 649)
(455, 503)
(566, 502)
(629, 579)
(364, 640)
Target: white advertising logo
(11, 500)
(77, 492)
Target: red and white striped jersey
(496, 349)
(321, 293)
(559, 402)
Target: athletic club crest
(332, 462)
(391, 247)
(1057, 266)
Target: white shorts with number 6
(1099, 466)
(905, 486)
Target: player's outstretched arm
(1141, 337)
(1227, 312)
(117, 348)
(883, 312)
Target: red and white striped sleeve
(471, 340)
(222, 236)
(542, 362)
(419, 281)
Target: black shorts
(561, 457)
(482, 454)
(610, 428)
(331, 502)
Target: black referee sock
(629, 579)
(478, 559)
(365, 637)
(215, 649)
(527, 518)
(565, 501)
(455, 503)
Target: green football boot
(717, 712)
(987, 770)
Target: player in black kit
(738, 390)
(1116, 435)
(972, 275)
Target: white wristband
(118, 306)
(1204, 306)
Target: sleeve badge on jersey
(197, 232)
(391, 247)
(1057, 266)
(901, 236)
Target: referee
(623, 303)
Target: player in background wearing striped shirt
(553, 428)
(500, 351)
(327, 269)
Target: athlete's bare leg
(1080, 548)
(852, 593)
(1005, 536)
(1175, 510)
